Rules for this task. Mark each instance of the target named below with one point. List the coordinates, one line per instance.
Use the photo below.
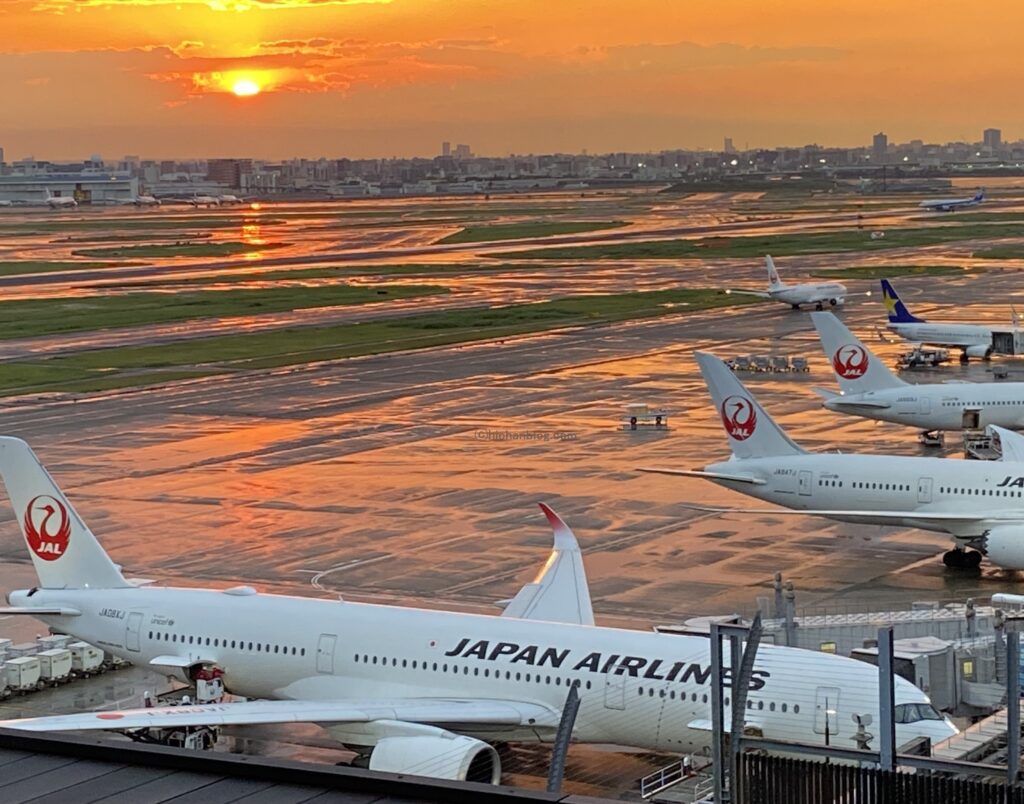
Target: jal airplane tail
(752, 432)
(856, 367)
(895, 308)
(65, 553)
(774, 283)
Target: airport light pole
(886, 700)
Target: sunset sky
(339, 78)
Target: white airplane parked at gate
(817, 293)
(871, 390)
(421, 691)
(980, 504)
(973, 340)
(953, 204)
(60, 201)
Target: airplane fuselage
(938, 407)
(884, 483)
(641, 689)
(811, 293)
(943, 334)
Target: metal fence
(780, 780)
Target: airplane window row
(217, 642)
(958, 404)
(751, 704)
(834, 483)
(882, 486)
(434, 667)
(980, 492)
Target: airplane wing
(756, 481)
(55, 611)
(1012, 443)
(559, 594)
(426, 711)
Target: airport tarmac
(412, 478)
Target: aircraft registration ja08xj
(979, 503)
(418, 691)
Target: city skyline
(281, 78)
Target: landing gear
(819, 306)
(833, 302)
(958, 558)
(964, 359)
(795, 306)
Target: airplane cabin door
(924, 489)
(805, 483)
(926, 405)
(325, 653)
(615, 689)
(133, 631)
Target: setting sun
(245, 87)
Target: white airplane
(230, 199)
(60, 201)
(203, 201)
(816, 293)
(870, 390)
(6, 203)
(973, 340)
(421, 691)
(980, 504)
(145, 201)
(953, 204)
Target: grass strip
(141, 365)
(888, 271)
(23, 318)
(178, 250)
(776, 245)
(527, 229)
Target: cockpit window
(913, 712)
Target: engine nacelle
(979, 351)
(456, 757)
(1004, 545)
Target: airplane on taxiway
(980, 504)
(420, 691)
(869, 389)
(817, 293)
(953, 204)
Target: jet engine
(442, 757)
(1005, 546)
(979, 351)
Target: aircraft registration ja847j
(418, 691)
(979, 503)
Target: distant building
(729, 147)
(463, 152)
(228, 171)
(879, 147)
(991, 138)
(446, 149)
(1, 155)
(86, 188)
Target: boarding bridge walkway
(978, 742)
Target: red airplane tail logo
(850, 362)
(739, 417)
(47, 527)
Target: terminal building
(85, 188)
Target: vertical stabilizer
(774, 283)
(64, 551)
(895, 308)
(752, 432)
(856, 367)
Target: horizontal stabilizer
(858, 402)
(824, 393)
(35, 611)
(756, 481)
(437, 711)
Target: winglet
(559, 593)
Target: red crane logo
(850, 361)
(47, 527)
(739, 417)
